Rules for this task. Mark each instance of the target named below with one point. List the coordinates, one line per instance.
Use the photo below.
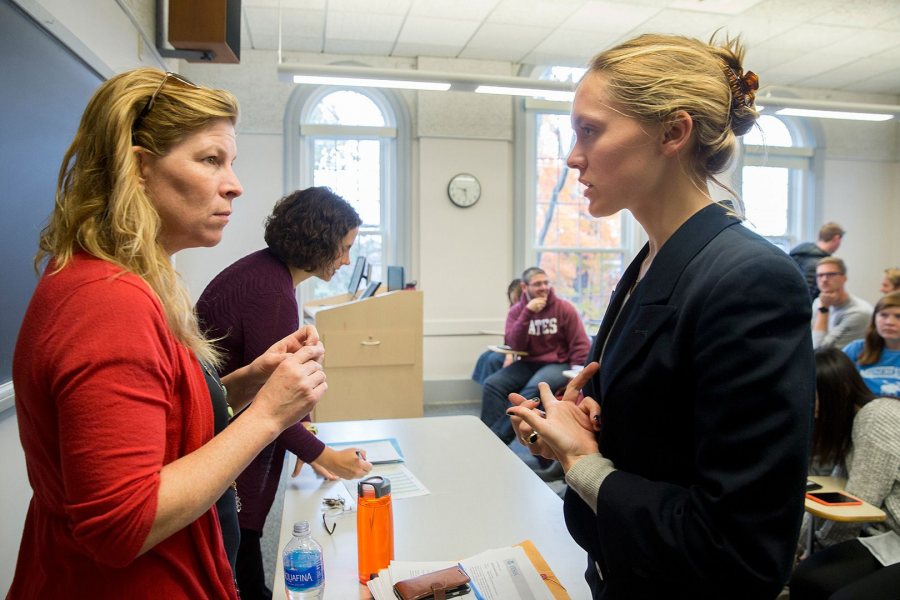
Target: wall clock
(464, 190)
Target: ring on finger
(532, 437)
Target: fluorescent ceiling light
(533, 92)
(379, 83)
(833, 114)
(351, 75)
(827, 109)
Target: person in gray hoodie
(808, 254)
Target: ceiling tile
(289, 43)
(804, 38)
(264, 21)
(543, 13)
(500, 35)
(294, 4)
(575, 44)
(355, 46)
(362, 26)
(884, 83)
(609, 17)
(860, 13)
(846, 74)
(413, 50)
(755, 30)
(683, 22)
(440, 32)
(865, 43)
(800, 11)
(722, 7)
(379, 7)
(456, 9)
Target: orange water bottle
(374, 526)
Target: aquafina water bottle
(304, 573)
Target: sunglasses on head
(149, 106)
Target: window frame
(526, 123)
(801, 159)
(394, 138)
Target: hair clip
(743, 89)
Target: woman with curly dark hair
(246, 308)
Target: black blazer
(707, 387)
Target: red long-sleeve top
(105, 397)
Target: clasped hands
(286, 381)
(566, 429)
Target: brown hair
(306, 228)
(873, 343)
(653, 76)
(514, 291)
(840, 392)
(530, 272)
(833, 260)
(101, 205)
(829, 230)
(893, 276)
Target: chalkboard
(44, 88)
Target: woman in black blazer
(692, 486)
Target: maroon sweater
(554, 335)
(251, 305)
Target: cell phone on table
(834, 498)
(503, 347)
(812, 486)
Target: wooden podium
(373, 356)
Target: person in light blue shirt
(877, 355)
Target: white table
(482, 496)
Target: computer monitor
(359, 270)
(395, 278)
(370, 290)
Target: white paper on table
(404, 569)
(403, 483)
(381, 586)
(505, 573)
(377, 451)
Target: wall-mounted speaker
(210, 26)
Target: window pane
(557, 73)
(770, 131)
(583, 256)
(765, 193)
(560, 211)
(352, 168)
(346, 108)
(586, 279)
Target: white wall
(14, 499)
(863, 197)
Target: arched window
(354, 141)
(775, 175)
(584, 257)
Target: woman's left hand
(564, 428)
(266, 363)
(242, 384)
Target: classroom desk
(864, 512)
(510, 351)
(482, 496)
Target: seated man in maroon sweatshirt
(550, 331)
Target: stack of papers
(387, 461)
(497, 574)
